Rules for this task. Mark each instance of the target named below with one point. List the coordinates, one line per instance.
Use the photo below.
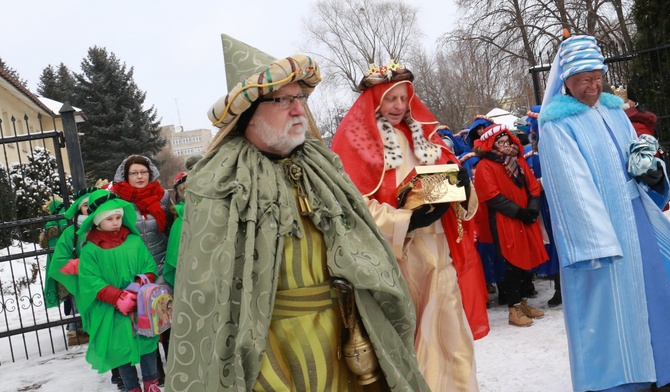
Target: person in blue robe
(549, 269)
(613, 240)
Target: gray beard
(281, 141)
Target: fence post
(72, 145)
(536, 86)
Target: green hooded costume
(64, 251)
(171, 255)
(113, 341)
(53, 230)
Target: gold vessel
(359, 355)
(430, 184)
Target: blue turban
(579, 54)
(522, 124)
(533, 114)
(472, 135)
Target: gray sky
(174, 46)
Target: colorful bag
(154, 308)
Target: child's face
(111, 223)
(84, 208)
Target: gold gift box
(430, 184)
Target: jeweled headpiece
(621, 92)
(392, 72)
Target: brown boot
(82, 336)
(72, 338)
(530, 311)
(517, 318)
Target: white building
(186, 143)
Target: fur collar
(426, 152)
(563, 106)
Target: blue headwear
(469, 162)
(580, 53)
(533, 114)
(472, 135)
(522, 124)
(456, 144)
(576, 54)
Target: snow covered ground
(509, 359)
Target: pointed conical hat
(250, 73)
(242, 60)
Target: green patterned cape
(239, 208)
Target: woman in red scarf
(512, 193)
(136, 181)
(387, 132)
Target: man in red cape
(387, 132)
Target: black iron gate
(27, 327)
(649, 89)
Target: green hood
(81, 195)
(103, 200)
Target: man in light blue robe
(613, 240)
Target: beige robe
(443, 342)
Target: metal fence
(27, 327)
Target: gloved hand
(71, 268)
(527, 215)
(652, 176)
(463, 177)
(126, 302)
(426, 215)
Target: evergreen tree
(651, 68)
(7, 207)
(13, 73)
(34, 182)
(57, 84)
(117, 124)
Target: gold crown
(383, 69)
(621, 92)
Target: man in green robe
(270, 220)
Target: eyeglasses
(502, 143)
(139, 173)
(286, 101)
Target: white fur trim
(426, 152)
(392, 153)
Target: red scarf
(147, 199)
(107, 239)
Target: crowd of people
(297, 266)
(127, 223)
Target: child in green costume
(172, 253)
(67, 248)
(110, 262)
(54, 293)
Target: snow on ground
(532, 359)
(509, 359)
